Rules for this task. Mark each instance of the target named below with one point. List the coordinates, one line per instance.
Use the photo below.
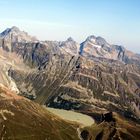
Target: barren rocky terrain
(93, 78)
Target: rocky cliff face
(100, 77)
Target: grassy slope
(22, 119)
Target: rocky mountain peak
(91, 38)
(70, 46)
(70, 39)
(100, 41)
(119, 48)
(14, 34)
(8, 31)
(16, 29)
(93, 46)
(96, 40)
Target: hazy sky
(118, 21)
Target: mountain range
(93, 77)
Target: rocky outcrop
(107, 117)
(111, 129)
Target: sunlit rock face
(91, 76)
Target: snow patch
(94, 45)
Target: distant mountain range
(91, 47)
(93, 77)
